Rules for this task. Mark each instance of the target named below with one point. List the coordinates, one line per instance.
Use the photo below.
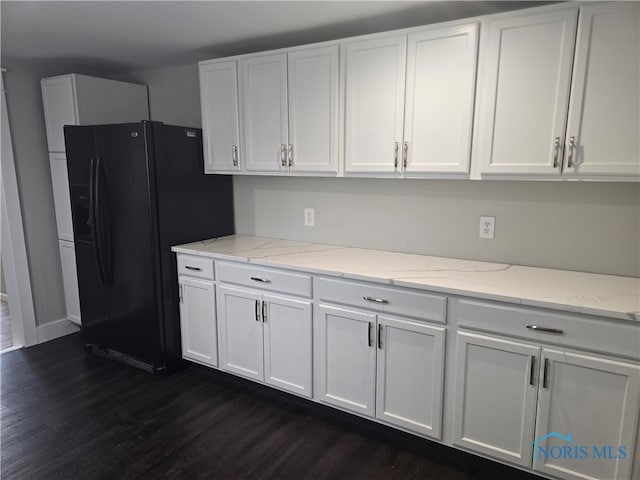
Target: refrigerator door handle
(93, 219)
(102, 233)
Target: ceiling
(120, 36)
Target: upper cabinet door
(219, 103)
(375, 75)
(525, 92)
(604, 114)
(60, 109)
(313, 110)
(264, 108)
(441, 77)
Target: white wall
(592, 227)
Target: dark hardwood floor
(67, 414)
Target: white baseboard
(56, 329)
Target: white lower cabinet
(496, 393)
(267, 338)
(595, 401)
(387, 367)
(198, 321)
(564, 414)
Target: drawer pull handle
(545, 329)
(258, 279)
(373, 299)
(257, 310)
(380, 336)
(197, 269)
(264, 311)
(369, 342)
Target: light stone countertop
(595, 294)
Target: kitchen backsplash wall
(591, 227)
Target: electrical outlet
(309, 217)
(487, 227)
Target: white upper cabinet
(219, 103)
(375, 80)
(535, 119)
(525, 91)
(60, 109)
(81, 100)
(313, 109)
(438, 117)
(604, 111)
(264, 112)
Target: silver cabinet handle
(395, 154)
(180, 291)
(532, 372)
(380, 336)
(376, 300)
(545, 377)
(556, 151)
(369, 334)
(258, 279)
(405, 152)
(264, 311)
(234, 155)
(283, 160)
(257, 310)
(290, 154)
(197, 269)
(545, 329)
(572, 146)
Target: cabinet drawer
(394, 300)
(265, 279)
(195, 266)
(571, 330)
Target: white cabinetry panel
(604, 113)
(264, 108)
(441, 77)
(60, 109)
(219, 103)
(496, 393)
(313, 109)
(525, 93)
(61, 195)
(410, 371)
(375, 77)
(347, 359)
(198, 321)
(70, 280)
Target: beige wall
(592, 227)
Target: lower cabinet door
(410, 375)
(346, 359)
(287, 344)
(587, 417)
(240, 321)
(495, 400)
(198, 321)
(70, 280)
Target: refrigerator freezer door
(94, 295)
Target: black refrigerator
(137, 189)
